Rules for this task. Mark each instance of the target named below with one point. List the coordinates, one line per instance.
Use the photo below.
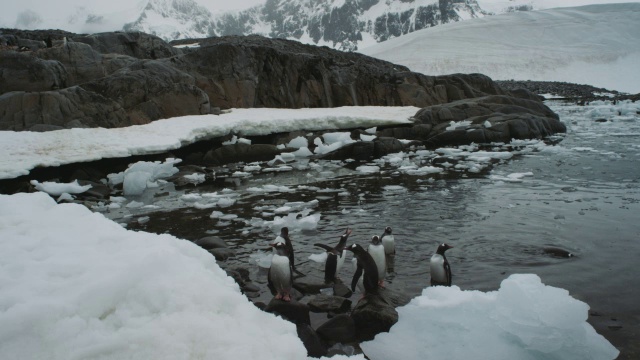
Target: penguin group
(370, 264)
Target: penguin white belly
(378, 254)
(389, 244)
(340, 261)
(280, 273)
(437, 268)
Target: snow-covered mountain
(597, 45)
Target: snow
(143, 174)
(23, 151)
(596, 45)
(524, 319)
(75, 285)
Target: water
(581, 195)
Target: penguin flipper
(289, 245)
(447, 270)
(326, 247)
(356, 277)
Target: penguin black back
(367, 265)
(335, 257)
(284, 233)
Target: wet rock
(293, 311)
(310, 284)
(211, 242)
(557, 252)
(241, 152)
(376, 313)
(327, 303)
(312, 342)
(340, 328)
(222, 254)
(361, 150)
(340, 289)
(386, 145)
(97, 190)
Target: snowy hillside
(597, 45)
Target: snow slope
(597, 45)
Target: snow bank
(524, 319)
(75, 285)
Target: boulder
(293, 311)
(376, 313)
(327, 303)
(310, 284)
(222, 254)
(312, 342)
(24, 72)
(340, 289)
(135, 44)
(211, 242)
(340, 328)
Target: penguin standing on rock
(281, 273)
(284, 238)
(439, 266)
(376, 249)
(335, 257)
(367, 265)
(388, 241)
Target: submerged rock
(327, 303)
(340, 328)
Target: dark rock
(312, 342)
(211, 242)
(340, 328)
(327, 303)
(310, 284)
(97, 190)
(241, 152)
(361, 150)
(376, 313)
(135, 44)
(385, 145)
(24, 72)
(600, 120)
(340, 289)
(293, 311)
(222, 253)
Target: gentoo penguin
(284, 238)
(376, 249)
(368, 265)
(440, 269)
(388, 241)
(335, 257)
(281, 273)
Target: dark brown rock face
(122, 79)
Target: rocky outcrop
(122, 79)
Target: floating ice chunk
(233, 140)
(524, 319)
(282, 210)
(364, 137)
(302, 152)
(278, 169)
(371, 130)
(425, 170)
(135, 204)
(368, 169)
(57, 189)
(193, 197)
(143, 219)
(270, 188)
(458, 124)
(216, 215)
(298, 142)
(487, 124)
(141, 175)
(240, 174)
(514, 177)
(262, 259)
(226, 202)
(319, 258)
(116, 179)
(244, 141)
(292, 221)
(395, 188)
(201, 205)
(196, 178)
(336, 137)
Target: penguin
(388, 241)
(367, 265)
(280, 273)
(376, 249)
(284, 238)
(335, 257)
(439, 266)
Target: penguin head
(443, 247)
(344, 237)
(281, 248)
(387, 230)
(375, 240)
(355, 248)
(284, 231)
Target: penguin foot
(286, 298)
(381, 283)
(278, 296)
